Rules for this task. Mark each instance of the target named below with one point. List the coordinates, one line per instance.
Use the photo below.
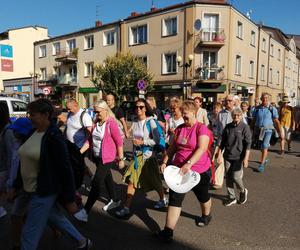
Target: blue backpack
(161, 146)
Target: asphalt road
(269, 220)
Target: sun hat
(22, 126)
(285, 99)
(180, 183)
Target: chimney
(98, 23)
(133, 14)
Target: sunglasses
(139, 107)
(228, 100)
(96, 112)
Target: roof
(278, 35)
(4, 34)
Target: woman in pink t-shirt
(190, 151)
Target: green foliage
(119, 74)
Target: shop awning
(88, 90)
(219, 89)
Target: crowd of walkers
(42, 163)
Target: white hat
(180, 183)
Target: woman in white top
(201, 115)
(175, 120)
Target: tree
(119, 75)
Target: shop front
(20, 88)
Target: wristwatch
(189, 162)
(122, 159)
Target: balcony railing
(211, 37)
(48, 79)
(211, 74)
(66, 56)
(67, 79)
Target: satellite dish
(197, 25)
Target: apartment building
(200, 47)
(17, 62)
(64, 64)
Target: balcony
(48, 80)
(211, 38)
(66, 56)
(213, 74)
(67, 79)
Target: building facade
(201, 47)
(17, 61)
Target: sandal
(88, 244)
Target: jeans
(40, 211)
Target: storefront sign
(7, 65)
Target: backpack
(86, 132)
(161, 146)
(210, 150)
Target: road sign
(141, 84)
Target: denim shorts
(267, 137)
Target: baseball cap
(180, 183)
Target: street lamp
(185, 67)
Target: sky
(66, 16)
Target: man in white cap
(287, 124)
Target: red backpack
(210, 151)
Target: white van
(17, 108)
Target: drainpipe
(229, 46)
(269, 54)
(257, 63)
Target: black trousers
(102, 178)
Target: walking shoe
(111, 204)
(161, 204)
(290, 148)
(261, 168)
(87, 244)
(123, 212)
(243, 196)
(3, 212)
(230, 202)
(203, 220)
(81, 215)
(165, 235)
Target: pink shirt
(186, 145)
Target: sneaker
(243, 196)
(112, 204)
(81, 215)
(161, 204)
(86, 245)
(261, 168)
(123, 212)
(230, 202)
(3, 212)
(203, 220)
(165, 235)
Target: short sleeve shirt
(75, 133)
(264, 116)
(186, 139)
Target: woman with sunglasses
(106, 145)
(143, 172)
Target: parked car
(17, 108)
(128, 108)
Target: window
(253, 37)
(43, 73)
(279, 55)
(56, 71)
(238, 65)
(43, 51)
(89, 42)
(144, 60)
(271, 76)
(210, 29)
(251, 69)
(71, 44)
(19, 106)
(89, 69)
(239, 30)
(262, 72)
(138, 35)
(210, 64)
(109, 38)
(169, 27)
(264, 45)
(55, 48)
(169, 63)
(278, 77)
(272, 50)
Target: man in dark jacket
(236, 142)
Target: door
(210, 62)
(210, 27)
